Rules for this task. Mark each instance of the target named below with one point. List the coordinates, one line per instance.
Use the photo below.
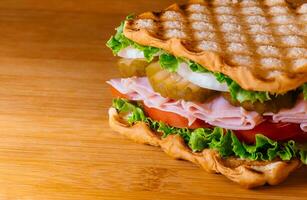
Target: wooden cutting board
(55, 142)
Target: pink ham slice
(297, 114)
(217, 112)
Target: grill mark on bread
(251, 48)
(189, 43)
(268, 60)
(280, 35)
(213, 44)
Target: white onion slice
(131, 53)
(204, 80)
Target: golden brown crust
(255, 76)
(249, 174)
(144, 137)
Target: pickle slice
(173, 86)
(274, 105)
(132, 67)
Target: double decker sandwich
(220, 83)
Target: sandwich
(219, 83)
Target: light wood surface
(55, 142)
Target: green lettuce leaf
(195, 67)
(168, 62)
(118, 42)
(245, 95)
(168, 130)
(239, 94)
(132, 112)
(224, 141)
(130, 16)
(136, 114)
(303, 156)
(264, 149)
(304, 87)
(199, 139)
(222, 78)
(171, 63)
(150, 52)
(302, 148)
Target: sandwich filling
(224, 141)
(174, 95)
(126, 48)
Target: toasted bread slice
(247, 173)
(261, 44)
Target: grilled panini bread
(256, 137)
(259, 44)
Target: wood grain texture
(55, 142)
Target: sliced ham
(217, 112)
(297, 114)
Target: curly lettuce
(168, 62)
(239, 94)
(195, 67)
(119, 41)
(171, 63)
(224, 141)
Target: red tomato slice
(169, 118)
(275, 131)
(116, 93)
(173, 119)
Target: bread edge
(246, 78)
(249, 174)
